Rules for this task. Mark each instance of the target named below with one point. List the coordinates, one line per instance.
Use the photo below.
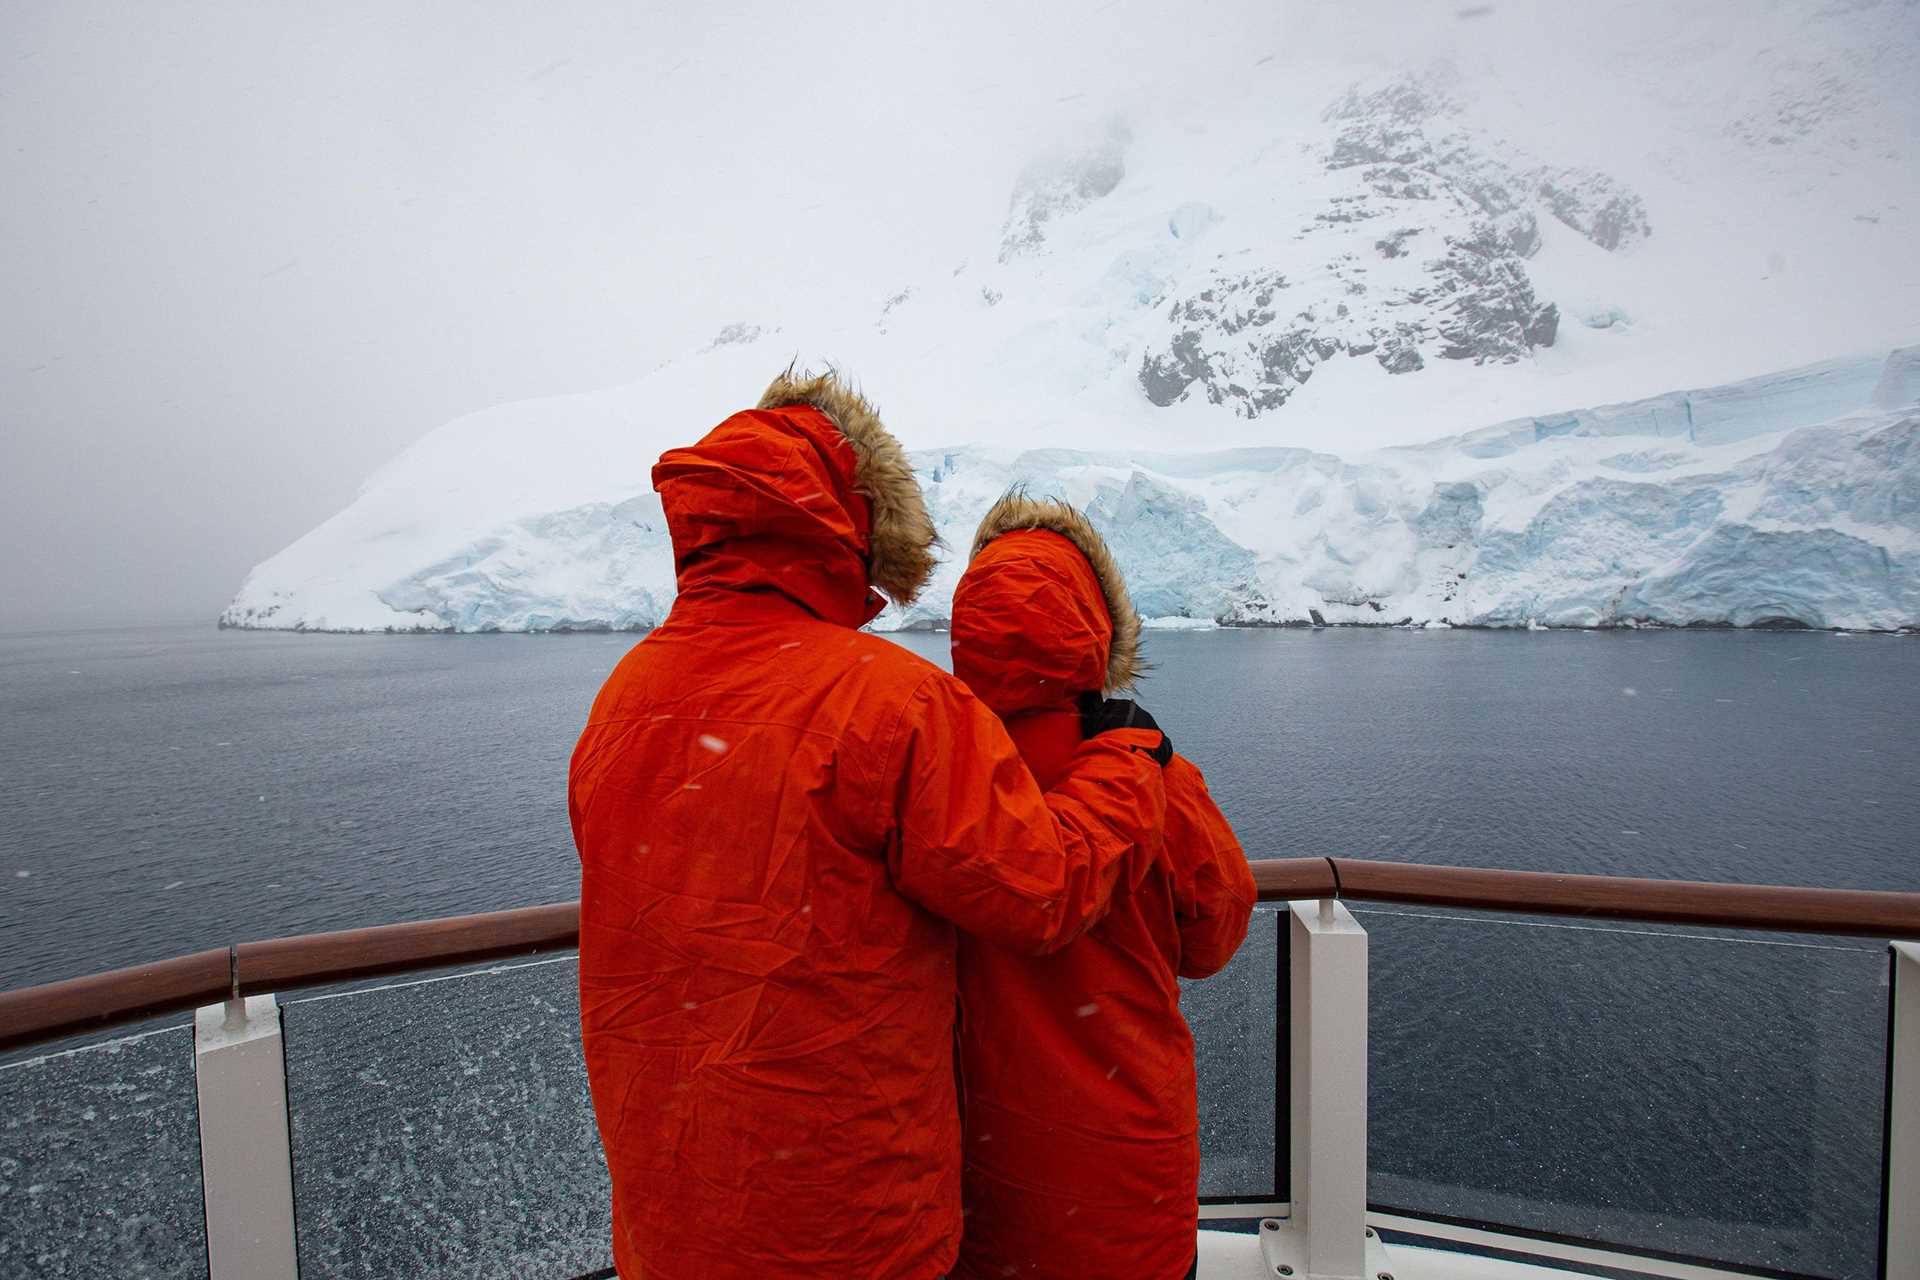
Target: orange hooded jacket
(1082, 1140)
(780, 821)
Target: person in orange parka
(1077, 1069)
(780, 822)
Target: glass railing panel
(100, 1161)
(1232, 1015)
(1666, 1091)
(442, 1127)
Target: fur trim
(1016, 511)
(903, 538)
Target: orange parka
(1082, 1144)
(780, 822)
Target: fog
(250, 251)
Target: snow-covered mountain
(1261, 338)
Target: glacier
(1791, 499)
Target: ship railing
(290, 1119)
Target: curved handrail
(33, 1015)
(1773, 908)
(315, 959)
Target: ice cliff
(1792, 499)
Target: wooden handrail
(1775, 908)
(1284, 879)
(315, 959)
(33, 1015)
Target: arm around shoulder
(976, 841)
(1214, 891)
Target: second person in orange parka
(1077, 1068)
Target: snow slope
(1793, 498)
(1266, 317)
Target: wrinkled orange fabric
(1082, 1142)
(780, 822)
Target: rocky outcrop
(1404, 138)
(1488, 311)
(1422, 252)
(1059, 185)
(1593, 204)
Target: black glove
(1099, 715)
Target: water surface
(168, 790)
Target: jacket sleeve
(1213, 885)
(977, 842)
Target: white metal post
(1325, 1237)
(1902, 1223)
(246, 1158)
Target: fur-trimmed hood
(806, 496)
(1016, 511)
(901, 555)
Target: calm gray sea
(167, 790)
(163, 791)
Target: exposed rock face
(737, 334)
(1058, 186)
(893, 304)
(1386, 126)
(1253, 373)
(1594, 205)
(1426, 235)
(1390, 133)
(1489, 311)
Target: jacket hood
(900, 556)
(807, 494)
(1041, 614)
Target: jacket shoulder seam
(899, 719)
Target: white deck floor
(1226, 1255)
